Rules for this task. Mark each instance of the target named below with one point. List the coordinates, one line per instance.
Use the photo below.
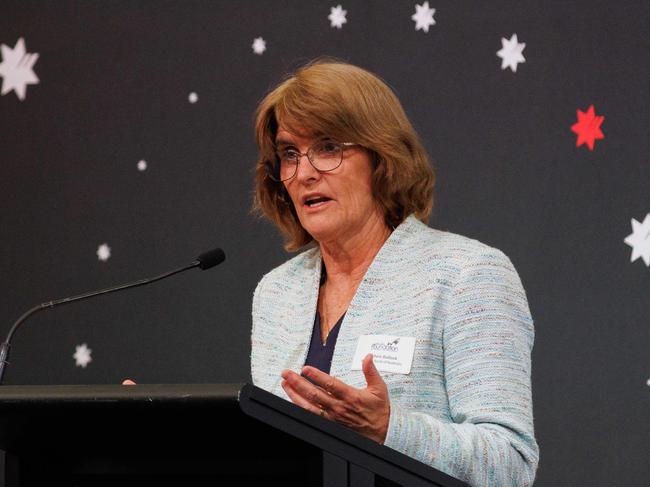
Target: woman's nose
(305, 170)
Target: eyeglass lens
(324, 156)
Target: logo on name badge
(390, 353)
(385, 347)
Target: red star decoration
(588, 128)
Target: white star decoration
(82, 355)
(259, 45)
(337, 16)
(193, 97)
(142, 166)
(639, 240)
(511, 53)
(16, 69)
(103, 252)
(423, 16)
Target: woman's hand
(364, 410)
(128, 382)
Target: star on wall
(588, 127)
(423, 16)
(337, 16)
(639, 240)
(16, 69)
(103, 252)
(259, 45)
(82, 355)
(511, 53)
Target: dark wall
(114, 81)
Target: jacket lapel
(306, 300)
(367, 301)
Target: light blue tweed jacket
(466, 406)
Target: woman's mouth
(316, 202)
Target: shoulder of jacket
(297, 265)
(448, 243)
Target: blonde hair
(349, 104)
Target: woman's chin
(321, 229)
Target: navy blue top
(319, 354)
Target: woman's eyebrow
(280, 142)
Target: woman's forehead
(303, 127)
(295, 134)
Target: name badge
(390, 353)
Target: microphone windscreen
(211, 258)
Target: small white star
(103, 252)
(259, 45)
(423, 16)
(193, 97)
(82, 355)
(16, 69)
(511, 53)
(639, 240)
(142, 165)
(337, 16)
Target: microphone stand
(6, 345)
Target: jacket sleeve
(487, 341)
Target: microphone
(204, 261)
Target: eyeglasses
(324, 156)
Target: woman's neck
(349, 259)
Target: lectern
(191, 434)
(349, 459)
(158, 435)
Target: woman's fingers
(128, 382)
(309, 392)
(373, 377)
(298, 400)
(329, 384)
(364, 410)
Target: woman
(342, 173)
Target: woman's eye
(329, 147)
(289, 155)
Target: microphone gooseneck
(204, 261)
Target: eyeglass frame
(270, 169)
